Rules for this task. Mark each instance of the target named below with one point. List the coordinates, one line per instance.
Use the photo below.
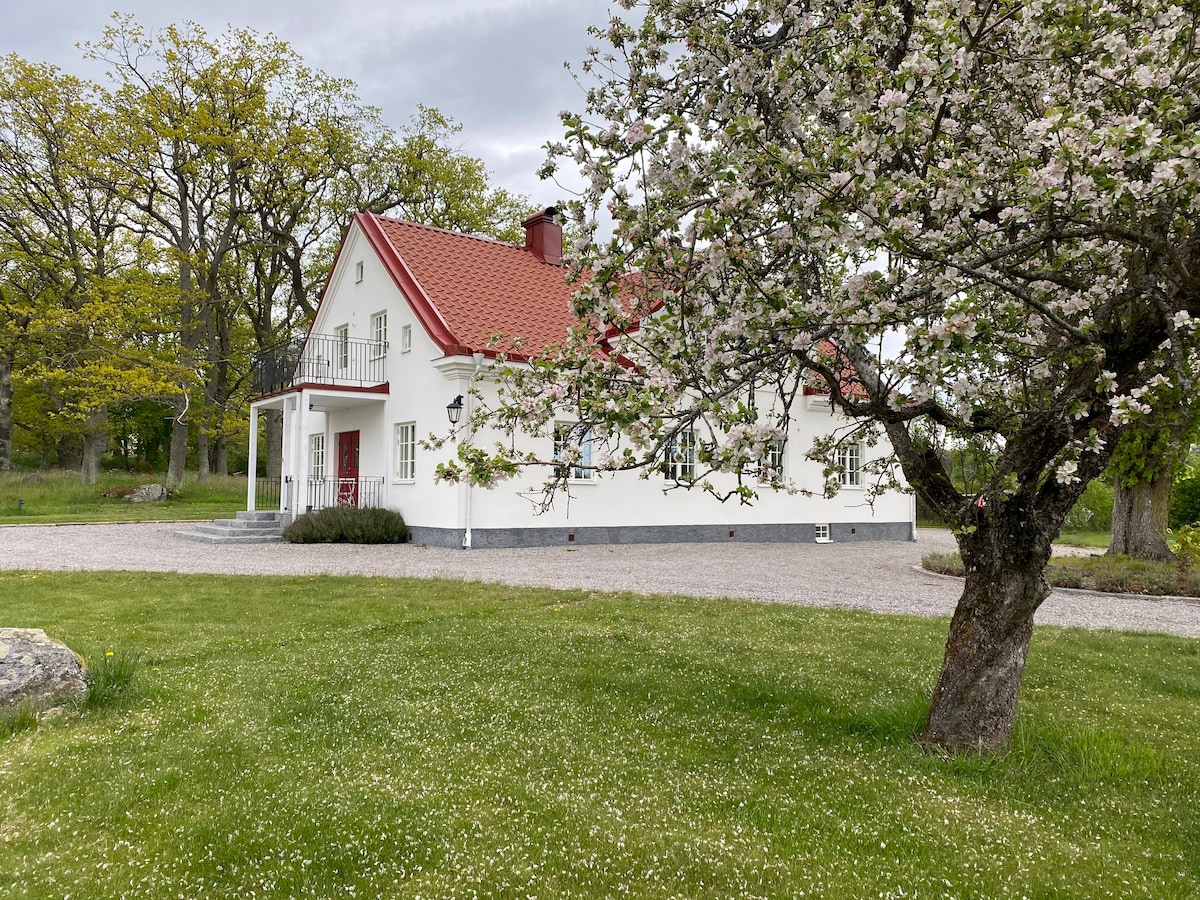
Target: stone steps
(257, 527)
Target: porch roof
(323, 397)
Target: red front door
(347, 468)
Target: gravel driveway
(877, 576)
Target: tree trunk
(6, 409)
(220, 454)
(201, 454)
(68, 451)
(95, 442)
(1140, 513)
(975, 701)
(179, 438)
(273, 443)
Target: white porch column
(286, 473)
(252, 464)
(302, 451)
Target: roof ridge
(448, 231)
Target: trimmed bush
(347, 525)
(944, 563)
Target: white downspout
(478, 357)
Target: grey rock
(148, 493)
(32, 479)
(37, 669)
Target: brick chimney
(543, 236)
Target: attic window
(358, 271)
(405, 338)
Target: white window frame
(568, 433)
(822, 533)
(404, 451)
(679, 458)
(316, 456)
(342, 334)
(405, 338)
(849, 461)
(379, 340)
(775, 458)
(358, 272)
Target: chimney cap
(541, 216)
(543, 236)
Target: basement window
(823, 534)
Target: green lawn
(348, 737)
(1098, 540)
(56, 496)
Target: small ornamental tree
(970, 223)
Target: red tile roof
(466, 289)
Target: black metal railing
(266, 493)
(361, 492)
(332, 359)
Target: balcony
(321, 359)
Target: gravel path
(877, 576)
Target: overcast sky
(495, 66)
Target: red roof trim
(384, 388)
(427, 314)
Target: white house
(402, 330)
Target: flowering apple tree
(967, 221)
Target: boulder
(147, 493)
(37, 669)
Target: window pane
(572, 441)
(771, 468)
(405, 451)
(343, 349)
(849, 458)
(679, 457)
(378, 334)
(316, 456)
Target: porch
(328, 432)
